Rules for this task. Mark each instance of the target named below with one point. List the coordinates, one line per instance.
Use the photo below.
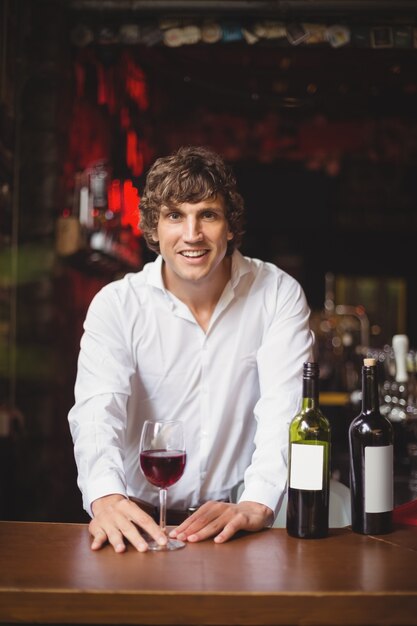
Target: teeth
(193, 253)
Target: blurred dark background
(314, 104)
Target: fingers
(239, 522)
(99, 537)
(224, 527)
(208, 521)
(197, 520)
(147, 524)
(120, 521)
(223, 520)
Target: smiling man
(203, 335)
(193, 242)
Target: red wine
(371, 461)
(309, 464)
(163, 468)
(307, 513)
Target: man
(203, 335)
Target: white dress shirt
(235, 387)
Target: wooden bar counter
(49, 575)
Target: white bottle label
(306, 466)
(379, 479)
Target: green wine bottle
(309, 464)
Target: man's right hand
(116, 518)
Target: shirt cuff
(103, 486)
(268, 495)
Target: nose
(192, 231)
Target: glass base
(173, 544)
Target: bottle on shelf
(371, 461)
(400, 400)
(412, 424)
(309, 464)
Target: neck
(370, 400)
(201, 297)
(310, 393)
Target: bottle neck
(310, 393)
(370, 399)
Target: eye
(208, 215)
(174, 216)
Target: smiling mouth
(193, 254)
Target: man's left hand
(223, 520)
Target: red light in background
(136, 84)
(124, 197)
(130, 212)
(134, 157)
(114, 196)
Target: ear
(230, 235)
(155, 235)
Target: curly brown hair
(192, 174)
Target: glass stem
(163, 509)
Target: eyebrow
(176, 209)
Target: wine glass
(162, 461)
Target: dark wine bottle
(371, 461)
(309, 464)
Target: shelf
(334, 398)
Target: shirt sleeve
(286, 346)
(98, 418)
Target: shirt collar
(240, 266)
(155, 274)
